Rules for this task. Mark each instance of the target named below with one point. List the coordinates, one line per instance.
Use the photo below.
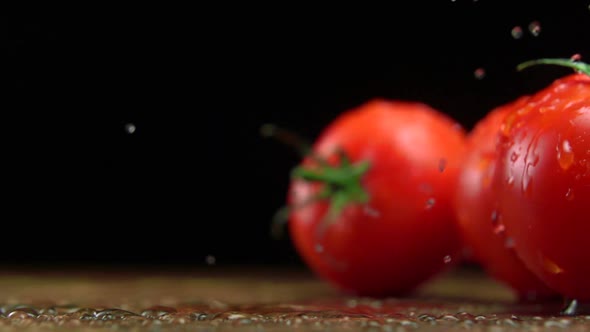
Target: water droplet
(499, 228)
(509, 242)
(535, 28)
(426, 188)
(430, 203)
(494, 216)
(157, 312)
(210, 260)
(551, 267)
(527, 180)
(371, 212)
(510, 180)
(514, 156)
(447, 259)
(516, 32)
(319, 248)
(569, 195)
(130, 128)
(565, 155)
(479, 73)
(442, 165)
(576, 57)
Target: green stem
(342, 182)
(576, 65)
(291, 139)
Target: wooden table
(257, 299)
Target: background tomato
(397, 228)
(477, 215)
(544, 184)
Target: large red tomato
(477, 215)
(385, 223)
(544, 184)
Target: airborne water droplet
(514, 156)
(565, 155)
(130, 128)
(210, 260)
(535, 28)
(447, 259)
(576, 57)
(479, 73)
(516, 32)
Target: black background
(195, 178)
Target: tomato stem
(576, 65)
(291, 139)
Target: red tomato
(392, 225)
(544, 184)
(475, 205)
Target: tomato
(384, 223)
(543, 182)
(475, 206)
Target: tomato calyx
(342, 183)
(578, 66)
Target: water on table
(259, 300)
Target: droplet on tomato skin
(509, 242)
(430, 203)
(535, 28)
(426, 188)
(552, 267)
(514, 156)
(565, 155)
(510, 181)
(527, 181)
(479, 73)
(499, 228)
(494, 217)
(569, 195)
(516, 32)
(319, 248)
(447, 259)
(371, 212)
(442, 165)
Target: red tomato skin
(543, 184)
(476, 207)
(408, 234)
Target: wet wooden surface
(250, 299)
